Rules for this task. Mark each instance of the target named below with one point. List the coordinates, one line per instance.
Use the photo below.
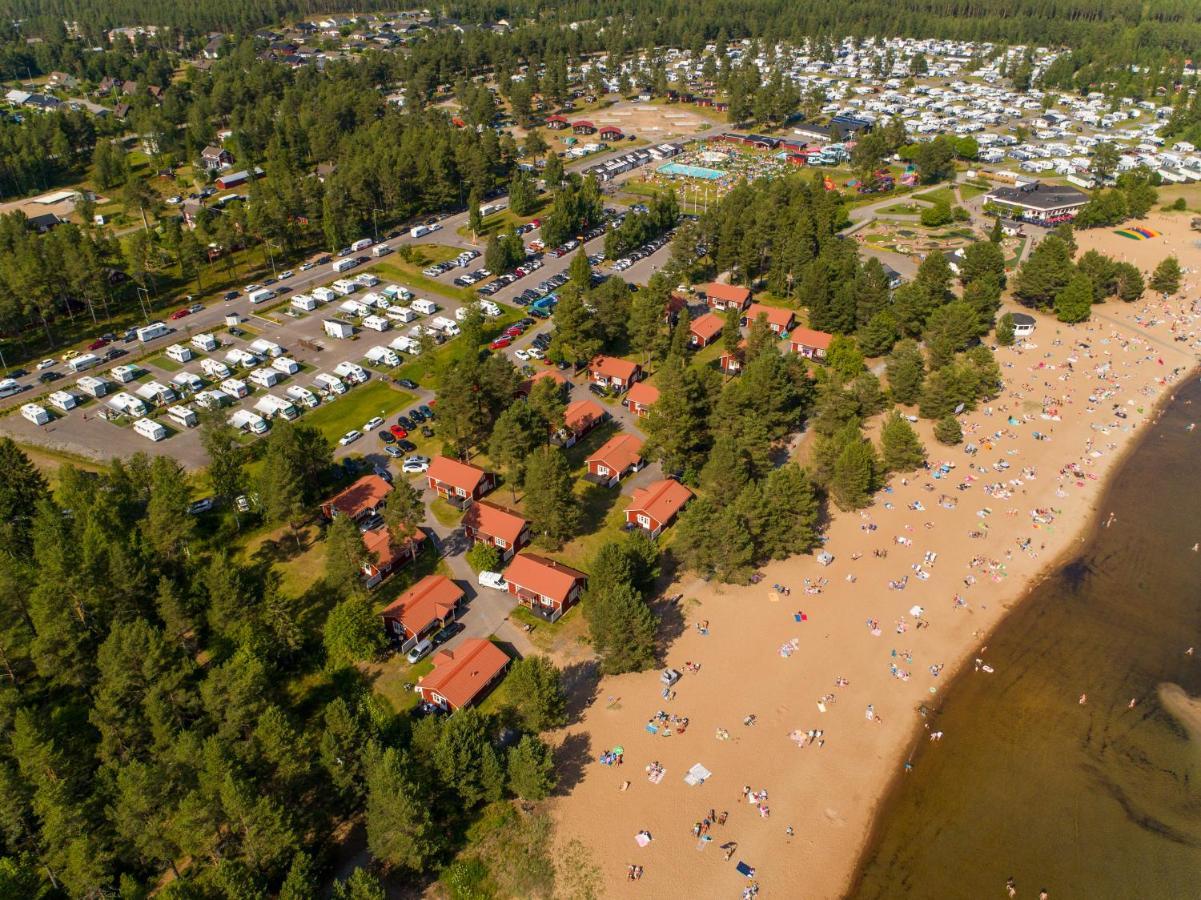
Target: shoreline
(1078, 545)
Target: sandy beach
(810, 701)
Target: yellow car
(69, 355)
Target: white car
(373, 424)
(350, 437)
(522, 355)
(534, 353)
(47, 363)
(304, 267)
(493, 580)
(286, 274)
(251, 288)
(415, 464)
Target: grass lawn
(410, 274)
(355, 407)
(446, 514)
(164, 362)
(941, 194)
(505, 218)
(970, 189)
(551, 637)
(639, 188)
(901, 209)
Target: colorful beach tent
(1137, 234)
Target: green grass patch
(446, 514)
(900, 209)
(971, 189)
(410, 274)
(503, 219)
(937, 195)
(355, 407)
(164, 362)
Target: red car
(513, 331)
(500, 343)
(537, 223)
(98, 343)
(399, 433)
(179, 314)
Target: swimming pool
(691, 171)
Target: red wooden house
(363, 498)
(544, 586)
(705, 330)
(458, 483)
(583, 126)
(723, 296)
(778, 320)
(614, 372)
(423, 609)
(620, 454)
(654, 507)
(640, 398)
(580, 417)
(809, 343)
(504, 529)
(610, 133)
(462, 676)
(386, 554)
(556, 123)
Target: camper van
(351, 372)
(187, 382)
(214, 368)
(63, 400)
(401, 314)
(150, 429)
(182, 416)
(265, 377)
(246, 420)
(406, 345)
(345, 264)
(9, 386)
(324, 295)
(260, 296)
(156, 393)
(345, 286)
(445, 325)
(82, 363)
(213, 399)
(328, 384)
(425, 307)
(304, 303)
(127, 404)
(94, 386)
(152, 331)
(271, 407)
(266, 349)
(376, 323)
(396, 292)
(285, 365)
(381, 250)
(302, 395)
(361, 244)
(235, 387)
(179, 353)
(126, 373)
(35, 414)
(382, 356)
(205, 343)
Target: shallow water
(1096, 801)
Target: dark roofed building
(1039, 202)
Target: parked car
(406, 446)
(350, 437)
(405, 423)
(97, 344)
(447, 633)
(415, 464)
(200, 506)
(500, 343)
(407, 384)
(420, 649)
(387, 437)
(396, 432)
(493, 580)
(394, 451)
(373, 423)
(425, 409)
(196, 307)
(231, 295)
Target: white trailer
(152, 331)
(235, 387)
(382, 356)
(285, 365)
(35, 414)
(156, 393)
(266, 349)
(187, 381)
(183, 416)
(380, 250)
(83, 362)
(272, 406)
(214, 368)
(419, 231)
(213, 399)
(345, 264)
(94, 386)
(401, 314)
(361, 244)
(248, 420)
(179, 353)
(345, 286)
(205, 343)
(328, 384)
(425, 307)
(261, 296)
(302, 395)
(366, 279)
(266, 378)
(324, 295)
(150, 429)
(63, 400)
(127, 404)
(376, 323)
(406, 345)
(126, 373)
(352, 372)
(304, 303)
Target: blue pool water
(691, 171)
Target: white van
(182, 416)
(179, 353)
(285, 365)
(127, 404)
(35, 414)
(328, 384)
(63, 400)
(324, 294)
(361, 244)
(126, 373)
(150, 429)
(235, 387)
(376, 323)
(425, 307)
(266, 348)
(152, 331)
(304, 303)
(266, 378)
(246, 420)
(302, 395)
(94, 386)
(352, 372)
(419, 650)
(345, 286)
(382, 356)
(401, 314)
(214, 368)
(261, 296)
(206, 343)
(345, 264)
(83, 362)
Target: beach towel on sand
(697, 775)
(642, 839)
(744, 869)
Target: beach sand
(829, 793)
(1185, 709)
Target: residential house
(463, 675)
(654, 507)
(722, 296)
(731, 363)
(528, 385)
(385, 554)
(556, 123)
(423, 609)
(619, 455)
(544, 586)
(614, 372)
(580, 417)
(610, 133)
(212, 49)
(705, 330)
(675, 305)
(583, 126)
(640, 398)
(459, 483)
(504, 529)
(214, 159)
(779, 320)
(363, 498)
(809, 343)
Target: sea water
(1092, 801)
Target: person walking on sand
(1083, 699)
(789, 832)
(1011, 886)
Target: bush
(1177, 205)
(947, 431)
(483, 557)
(1005, 335)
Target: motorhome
(425, 307)
(302, 395)
(183, 416)
(376, 323)
(382, 356)
(213, 399)
(152, 331)
(351, 372)
(127, 404)
(406, 345)
(35, 414)
(150, 429)
(324, 295)
(187, 382)
(179, 353)
(235, 387)
(82, 363)
(266, 378)
(206, 343)
(214, 368)
(272, 407)
(285, 365)
(447, 326)
(328, 384)
(248, 420)
(94, 386)
(239, 357)
(63, 400)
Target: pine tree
(676, 433)
(518, 432)
(1074, 302)
(906, 372)
(1005, 332)
(622, 628)
(536, 686)
(854, 477)
(1046, 272)
(1128, 282)
(1166, 278)
(947, 431)
(466, 760)
(793, 513)
(900, 446)
(352, 633)
(726, 470)
(400, 829)
(879, 335)
(345, 556)
(531, 767)
(20, 490)
(550, 500)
